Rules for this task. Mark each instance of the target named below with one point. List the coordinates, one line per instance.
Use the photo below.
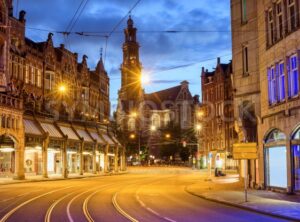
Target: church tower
(131, 93)
(131, 67)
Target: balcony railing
(10, 101)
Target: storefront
(111, 151)
(33, 148)
(100, 149)
(88, 149)
(33, 160)
(7, 156)
(73, 148)
(275, 157)
(88, 161)
(55, 148)
(54, 160)
(73, 158)
(295, 146)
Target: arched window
(276, 159)
(166, 119)
(295, 150)
(275, 136)
(155, 120)
(131, 124)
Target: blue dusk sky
(168, 58)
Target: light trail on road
(144, 194)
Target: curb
(60, 179)
(241, 206)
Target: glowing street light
(134, 114)
(168, 136)
(198, 127)
(62, 88)
(200, 114)
(152, 128)
(132, 136)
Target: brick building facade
(218, 135)
(54, 109)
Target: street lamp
(198, 127)
(132, 136)
(134, 114)
(153, 128)
(62, 89)
(200, 114)
(168, 136)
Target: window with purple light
(272, 86)
(280, 81)
(293, 76)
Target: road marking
(168, 219)
(71, 201)
(120, 210)
(50, 209)
(152, 211)
(84, 207)
(7, 215)
(148, 208)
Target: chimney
(219, 60)
(62, 46)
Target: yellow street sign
(243, 151)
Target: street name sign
(244, 151)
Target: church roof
(166, 95)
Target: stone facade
(268, 95)
(277, 45)
(246, 77)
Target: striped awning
(68, 131)
(31, 128)
(96, 137)
(83, 134)
(116, 140)
(51, 129)
(108, 139)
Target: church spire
(100, 65)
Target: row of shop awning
(34, 127)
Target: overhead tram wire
(74, 19)
(182, 66)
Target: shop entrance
(7, 156)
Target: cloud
(158, 50)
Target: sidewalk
(55, 177)
(228, 190)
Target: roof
(83, 134)
(107, 139)
(166, 95)
(68, 131)
(96, 137)
(31, 128)
(51, 129)
(159, 97)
